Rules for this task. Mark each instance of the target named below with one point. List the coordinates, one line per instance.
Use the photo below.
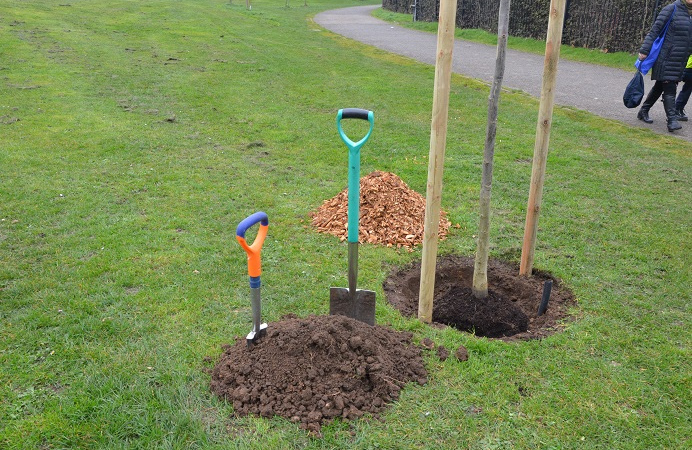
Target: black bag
(634, 92)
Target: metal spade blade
(358, 304)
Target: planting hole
(510, 312)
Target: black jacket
(677, 44)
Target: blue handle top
(250, 221)
(354, 165)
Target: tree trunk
(480, 268)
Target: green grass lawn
(135, 135)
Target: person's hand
(642, 56)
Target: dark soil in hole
(316, 369)
(510, 312)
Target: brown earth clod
(462, 354)
(442, 353)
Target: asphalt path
(588, 87)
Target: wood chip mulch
(391, 213)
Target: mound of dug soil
(316, 369)
(391, 213)
(510, 312)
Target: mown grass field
(135, 135)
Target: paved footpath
(589, 87)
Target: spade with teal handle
(352, 302)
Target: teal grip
(354, 165)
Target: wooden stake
(545, 116)
(438, 138)
(480, 266)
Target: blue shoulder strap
(647, 63)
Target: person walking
(685, 92)
(670, 65)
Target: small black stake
(547, 287)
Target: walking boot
(682, 117)
(671, 112)
(649, 101)
(643, 115)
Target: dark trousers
(667, 88)
(686, 90)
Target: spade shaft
(256, 309)
(352, 275)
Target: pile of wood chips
(391, 213)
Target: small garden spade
(354, 303)
(254, 267)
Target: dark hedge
(608, 25)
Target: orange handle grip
(254, 261)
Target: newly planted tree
(480, 269)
